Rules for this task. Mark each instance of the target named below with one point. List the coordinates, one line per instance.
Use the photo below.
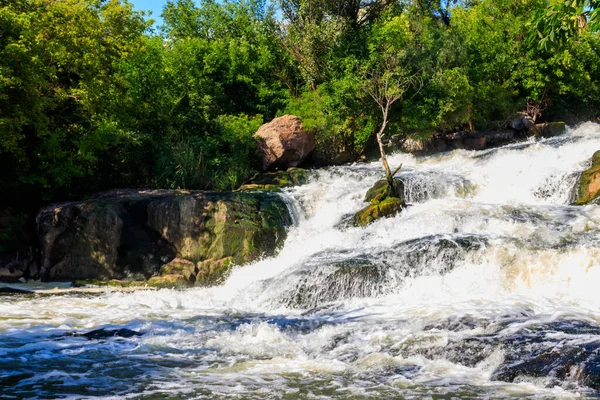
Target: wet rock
(596, 159)
(275, 181)
(12, 290)
(13, 271)
(170, 281)
(336, 280)
(381, 189)
(385, 201)
(433, 144)
(110, 333)
(212, 270)
(131, 234)
(550, 129)
(283, 143)
(588, 186)
(333, 276)
(178, 272)
(381, 209)
(522, 122)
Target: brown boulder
(282, 143)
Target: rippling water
(485, 287)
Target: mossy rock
(596, 159)
(275, 181)
(381, 190)
(110, 283)
(589, 186)
(212, 271)
(550, 129)
(180, 266)
(386, 208)
(175, 281)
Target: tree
(389, 76)
(564, 19)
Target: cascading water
(485, 287)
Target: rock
(137, 234)
(385, 202)
(99, 334)
(12, 290)
(170, 281)
(275, 181)
(475, 143)
(380, 190)
(596, 159)
(386, 208)
(184, 269)
(212, 270)
(550, 129)
(522, 122)
(499, 138)
(13, 271)
(283, 143)
(434, 144)
(589, 186)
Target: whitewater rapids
(486, 286)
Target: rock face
(385, 202)
(137, 234)
(282, 143)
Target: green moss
(388, 207)
(589, 186)
(596, 159)
(275, 181)
(109, 283)
(213, 271)
(382, 190)
(170, 281)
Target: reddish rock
(283, 143)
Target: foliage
(92, 98)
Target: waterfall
(484, 286)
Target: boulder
(380, 190)
(596, 159)
(523, 123)
(282, 143)
(589, 186)
(550, 129)
(386, 208)
(275, 181)
(385, 202)
(139, 234)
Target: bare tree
(386, 84)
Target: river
(486, 286)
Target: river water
(486, 286)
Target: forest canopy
(93, 96)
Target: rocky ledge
(165, 238)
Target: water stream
(487, 286)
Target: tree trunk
(388, 172)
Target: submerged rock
(110, 333)
(385, 202)
(275, 181)
(137, 234)
(283, 143)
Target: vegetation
(92, 96)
